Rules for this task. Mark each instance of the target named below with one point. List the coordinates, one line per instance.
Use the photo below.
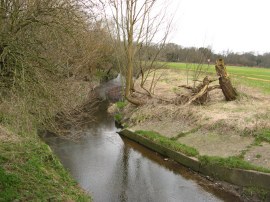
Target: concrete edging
(232, 175)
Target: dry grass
(7, 136)
(249, 113)
(225, 128)
(62, 100)
(213, 144)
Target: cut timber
(224, 81)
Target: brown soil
(259, 155)
(218, 128)
(213, 144)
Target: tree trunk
(130, 50)
(224, 81)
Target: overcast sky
(235, 25)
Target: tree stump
(224, 81)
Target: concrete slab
(216, 144)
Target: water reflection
(114, 169)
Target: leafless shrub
(49, 50)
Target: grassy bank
(29, 171)
(250, 185)
(222, 134)
(166, 142)
(251, 76)
(229, 162)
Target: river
(111, 168)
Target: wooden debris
(199, 94)
(224, 81)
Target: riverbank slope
(236, 132)
(29, 171)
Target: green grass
(7, 182)
(263, 136)
(166, 142)
(118, 117)
(251, 76)
(258, 156)
(230, 162)
(29, 171)
(121, 105)
(261, 73)
(262, 85)
(256, 191)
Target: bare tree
(136, 24)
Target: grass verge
(229, 162)
(29, 171)
(166, 142)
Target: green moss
(230, 162)
(166, 142)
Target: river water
(111, 168)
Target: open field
(251, 76)
(217, 128)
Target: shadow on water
(112, 168)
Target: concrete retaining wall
(232, 175)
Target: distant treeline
(176, 53)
